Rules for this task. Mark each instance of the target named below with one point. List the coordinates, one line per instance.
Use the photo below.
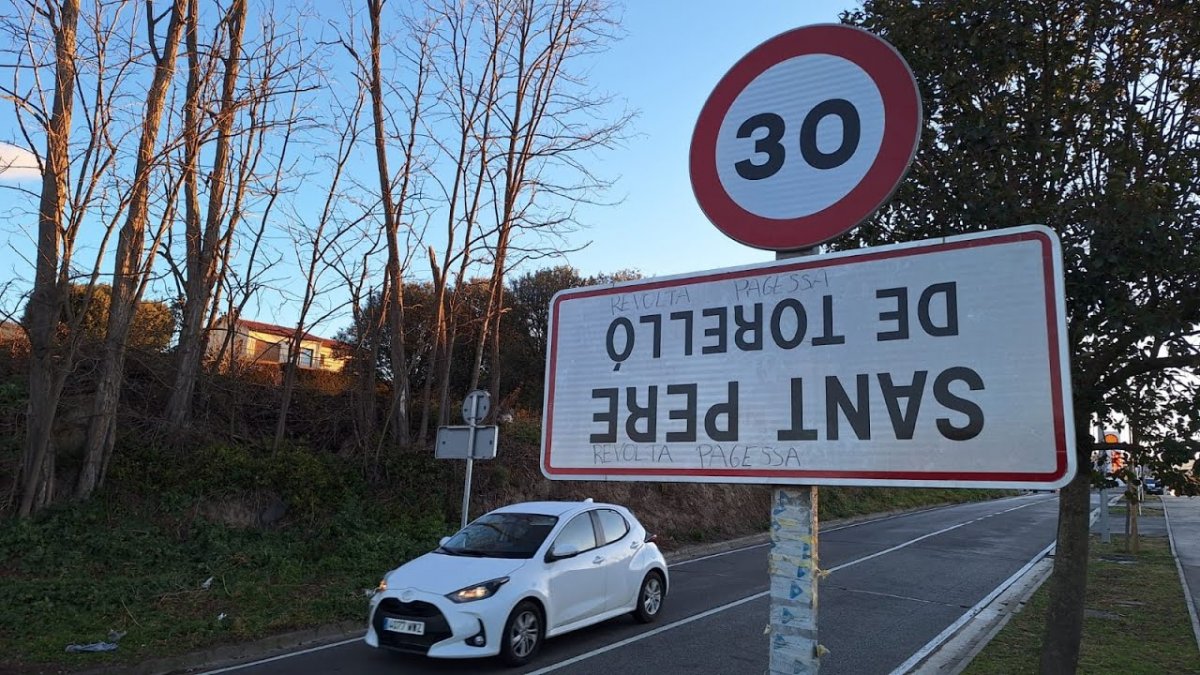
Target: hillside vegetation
(204, 540)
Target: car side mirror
(443, 540)
(561, 552)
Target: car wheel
(650, 598)
(523, 634)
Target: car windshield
(501, 535)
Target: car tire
(523, 634)
(650, 597)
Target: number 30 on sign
(805, 137)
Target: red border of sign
(1054, 364)
(902, 130)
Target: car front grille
(436, 626)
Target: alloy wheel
(652, 595)
(524, 634)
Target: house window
(306, 357)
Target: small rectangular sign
(452, 442)
(932, 364)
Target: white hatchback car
(516, 576)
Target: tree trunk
(129, 269)
(399, 354)
(1132, 504)
(101, 434)
(37, 483)
(285, 397)
(480, 347)
(444, 385)
(395, 276)
(367, 404)
(439, 339)
(1068, 583)
(189, 354)
(45, 304)
(494, 385)
(204, 248)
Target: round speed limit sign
(805, 137)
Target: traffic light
(1117, 460)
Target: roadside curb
(1193, 614)
(956, 653)
(685, 553)
(232, 654)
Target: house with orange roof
(256, 342)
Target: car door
(618, 550)
(577, 583)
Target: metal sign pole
(792, 565)
(466, 505)
(471, 420)
(1106, 462)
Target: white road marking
(651, 633)
(969, 614)
(281, 657)
(689, 561)
(910, 542)
(835, 529)
(953, 628)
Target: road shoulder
(330, 635)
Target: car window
(578, 534)
(501, 535)
(612, 524)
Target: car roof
(551, 508)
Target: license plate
(404, 626)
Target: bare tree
(81, 184)
(133, 264)
(546, 119)
(250, 130)
(320, 244)
(353, 266)
(395, 194)
(469, 89)
(45, 376)
(204, 245)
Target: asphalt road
(894, 584)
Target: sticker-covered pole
(792, 564)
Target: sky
(671, 56)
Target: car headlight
(478, 592)
(382, 585)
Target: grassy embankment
(136, 558)
(1136, 619)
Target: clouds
(17, 164)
